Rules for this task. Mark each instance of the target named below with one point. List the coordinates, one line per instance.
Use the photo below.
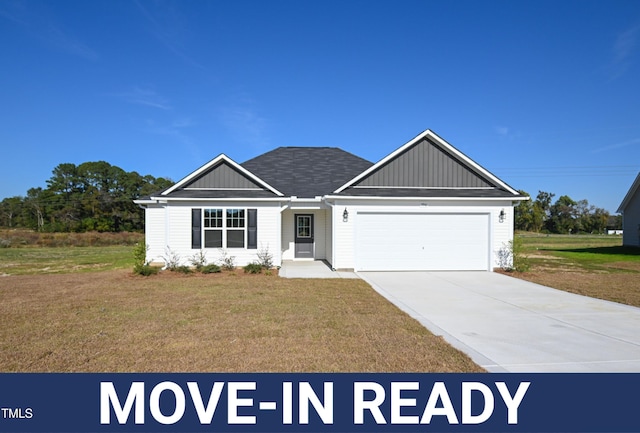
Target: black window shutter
(196, 229)
(252, 229)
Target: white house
(426, 206)
(630, 210)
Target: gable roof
(221, 177)
(627, 198)
(427, 166)
(306, 171)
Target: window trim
(306, 226)
(230, 216)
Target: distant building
(630, 210)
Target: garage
(397, 241)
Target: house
(630, 210)
(425, 206)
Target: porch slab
(311, 269)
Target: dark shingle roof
(307, 171)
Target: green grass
(599, 253)
(35, 260)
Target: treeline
(565, 215)
(92, 196)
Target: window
(235, 220)
(212, 220)
(304, 226)
(224, 228)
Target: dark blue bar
(551, 402)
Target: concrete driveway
(509, 325)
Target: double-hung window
(224, 228)
(235, 228)
(213, 228)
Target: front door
(304, 236)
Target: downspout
(333, 235)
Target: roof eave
(417, 198)
(629, 195)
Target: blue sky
(545, 94)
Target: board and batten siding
(500, 233)
(178, 233)
(425, 165)
(223, 176)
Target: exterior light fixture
(345, 215)
(502, 216)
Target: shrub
(253, 268)
(511, 256)
(171, 259)
(182, 269)
(198, 260)
(5, 243)
(265, 258)
(146, 270)
(140, 265)
(226, 261)
(140, 254)
(210, 269)
(520, 260)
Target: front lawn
(113, 321)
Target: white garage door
(431, 242)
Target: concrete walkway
(509, 325)
(311, 269)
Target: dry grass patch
(116, 322)
(617, 287)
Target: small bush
(265, 258)
(511, 256)
(198, 260)
(140, 265)
(226, 261)
(253, 268)
(5, 243)
(210, 269)
(146, 270)
(171, 259)
(520, 260)
(182, 269)
(140, 254)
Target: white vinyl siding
(155, 232)
(345, 253)
(178, 229)
(631, 221)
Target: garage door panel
(401, 241)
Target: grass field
(591, 265)
(34, 260)
(81, 309)
(71, 320)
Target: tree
(562, 215)
(90, 196)
(10, 210)
(523, 213)
(540, 210)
